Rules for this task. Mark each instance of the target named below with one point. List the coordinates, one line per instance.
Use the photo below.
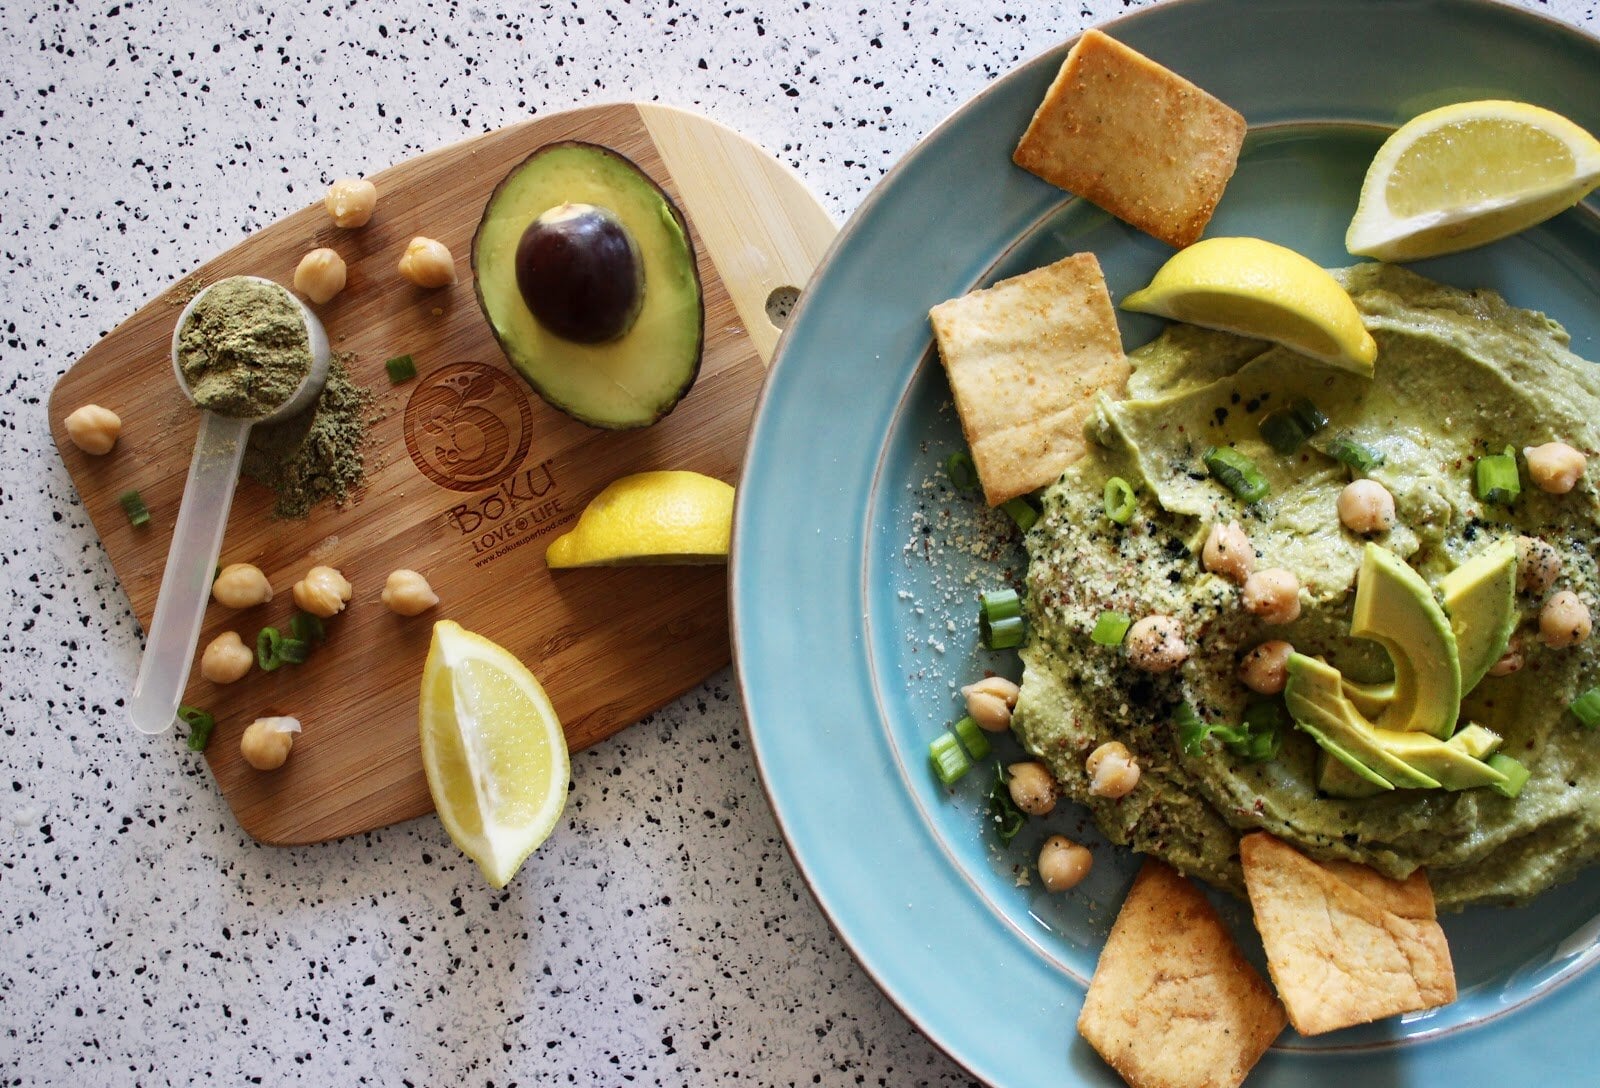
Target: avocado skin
(638, 378)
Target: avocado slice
(1316, 700)
(1342, 775)
(1395, 608)
(1476, 741)
(1453, 767)
(1480, 597)
(625, 352)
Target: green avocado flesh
(1458, 371)
(635, 379)
(1481, 598)
(1395, 608)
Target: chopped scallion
(1110, 628)
(1003, 811)
(200, 724)
(267, 644)
(1361, 458)
(1000, 625)
(1119, 501)
(1258, 739)
(133, 505)
(1586, 708)
(307, 628)
(402, 368)
(1287, 429)
(971, 737)
(1023, 512)
(1236, 472)
(962, 472)
(949, 761)
(1516, 774)
(293, 651)
(1496, 477)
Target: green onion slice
(1023, 512)
(200, 724)
(1586, 708)
(1119, 501)
(1258, 739)
(949, 761)
(133, 505)
(402, 368)
(307, 628)
(1236, 472)
(1110, 628)
(1359, 457)
(1000, 625)
(293, 651)
(1004, 814)
(962, 472)
(267, 644)
(1496, 477)
(971, 737)
(1287, 429)
(1516, 774)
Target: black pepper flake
(1221, 415)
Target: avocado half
(639, 376)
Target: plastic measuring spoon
(197, 538)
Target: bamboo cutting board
(609, 645)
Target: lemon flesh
(650, 517)
(493, 750)
(1468, 174)
(1259, 289)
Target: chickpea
(226, 658)
(1155, 644)
(1265, 669)
(241, 585)
(990, 702)
(1510, 661)
(350, 201)
(1112, 770)
(1365, 506)
(1555, 466)
(1228, 552)
(322, 592)
(266, 742)
(408, 593)
(1032, 788)
(1538, 565)
(320, 275)
(1273, 595)
(93, 429)
(1564, 620)
(1063, 863)
(428, 263)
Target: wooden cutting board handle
(609, 645)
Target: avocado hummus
(1459, 374)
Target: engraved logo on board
(468, 426)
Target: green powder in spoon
(244, 348)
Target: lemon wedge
(1258, 289)
(650, 517)
(1464, 175)
(493, 749)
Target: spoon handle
(191, 563)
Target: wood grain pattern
(609, 645)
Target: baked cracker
(1025, 359)
(1135, 138)
(1337, 953)
(1173, 1003)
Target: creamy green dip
(1459, 374)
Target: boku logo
(469, 427)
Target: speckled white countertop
(662, 936)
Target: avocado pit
(580, 272)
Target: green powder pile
(244, 349)
(316, 454)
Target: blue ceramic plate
(856, 569)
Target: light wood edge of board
(726, 181)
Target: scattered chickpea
(350, 201)
(266, 742)
(408, 593)
(1509, 662)
(1032, 788)
(1063, 863)
(320, 275)
(322, 592)
(1538, 565)
(990, 702)
(1155, 644)
(1366, 506)
(226, 658)
(1112, 770)
(428, 263)
(1273, 595)
(1564, 620)
(1555, 466)
(1265, 669)
(241, 585)
(1228, 552)
(93, 429)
